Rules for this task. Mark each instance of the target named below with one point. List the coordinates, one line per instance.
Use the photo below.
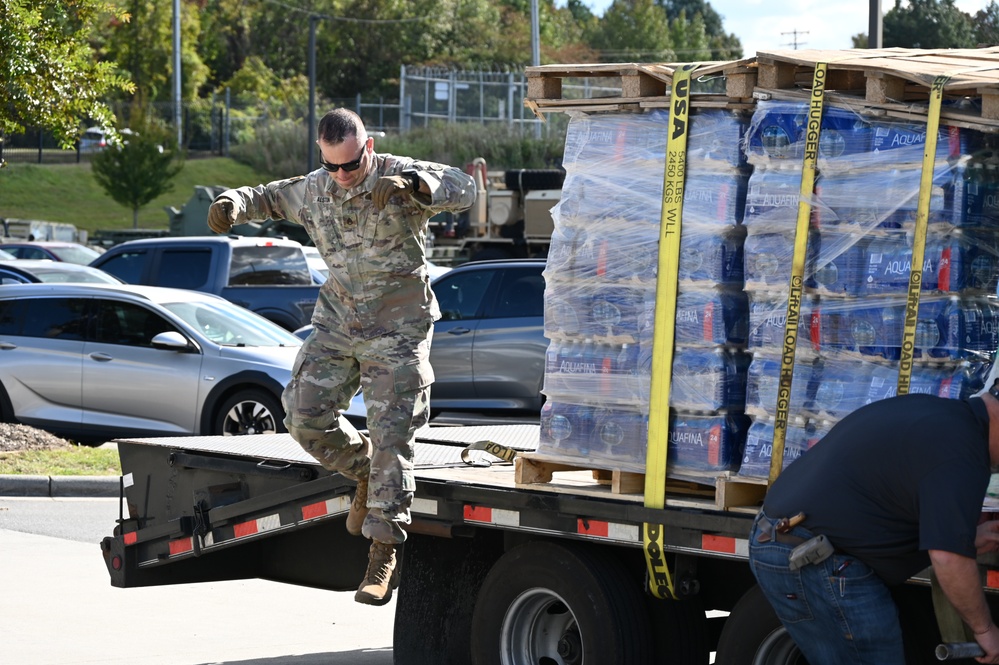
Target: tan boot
(358, 508)
(382, 575)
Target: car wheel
(249, 412)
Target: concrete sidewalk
(60, 486)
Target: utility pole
(874, 26)
(795, 43)
(176, 75)
(310, 130)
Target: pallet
(641, 85)
(893, 82)
(730, 493)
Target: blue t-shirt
(892, 480)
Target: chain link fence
(426, 95)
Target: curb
(60, 486)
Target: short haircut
(338, 124)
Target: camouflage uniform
(373, 324)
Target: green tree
(723, 45)
(139, 169)
(928, 24)
(634, 31)
(987, 25)
(49, 76)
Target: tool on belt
(806, 551)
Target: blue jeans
(837, 611)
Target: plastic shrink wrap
(741, 201)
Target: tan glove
(388, 186)
(220, 216)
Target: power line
(795, 43)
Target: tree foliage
(49, 75)
(137, 170)
(928, 24)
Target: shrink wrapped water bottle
(712, 317)
(923, 380)
(763, 384)
(840, 386)
(840, 263)
(567, 429)
(768, 258)
(777, 133)
(615, 310)
(709, 379)
(772, 200)
(712, 256)
(889, 264)
(623, 435)
(768, 318)
(760, 441)
(978, 269)
(566, 310)
(715, 139)
(705, 445)
(714, 199)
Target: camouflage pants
(394, 372)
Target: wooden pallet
(893, 82)
(641, 85)
(532, 470)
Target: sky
(777, 24)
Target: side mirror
(171, 340)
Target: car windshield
(55, 275)
(81, 255)
(230, 325)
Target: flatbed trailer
(494, 570)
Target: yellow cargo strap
(660, 580)
(505, 453)
(796, 287)
(919, 234)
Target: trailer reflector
(609, 530)
(992, 579)
(329, 507)
(424, 506)
(725, 544)
(130, 538)
(486, 515)
(181, 546)
(253, 527)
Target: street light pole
(874, 25)
(176, 75)
(313, 20)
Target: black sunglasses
(346, 166)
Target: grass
(69, 193)
(73, 461)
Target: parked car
(488, 351)
(94, 139)
(6, 256)
(31, 271)
(70, 252)
(269, 276)
(94, 362)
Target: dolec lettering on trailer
(658, 573)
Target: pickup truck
(269, 276)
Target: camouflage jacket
(377, 268)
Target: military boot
(358, 508)
(382, 575)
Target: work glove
(220, 216)
(388, 186)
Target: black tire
(562, 604)
(679, 630)
(523, 180)
(251, 411)
(753, 635)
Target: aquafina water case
(711, 317)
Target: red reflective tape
(181, 546)
(992, 579)
(314, 510)
(718, 544)
(592, 527)
(131, 537)
(245, 529)
(478, 514)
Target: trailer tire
(251, 411)
(547, 602)
(753, 635)
(523, 180)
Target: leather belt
(784, 538)
(776, 530)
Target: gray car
(31, 271)
(94, 362)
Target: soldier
(367, 214)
